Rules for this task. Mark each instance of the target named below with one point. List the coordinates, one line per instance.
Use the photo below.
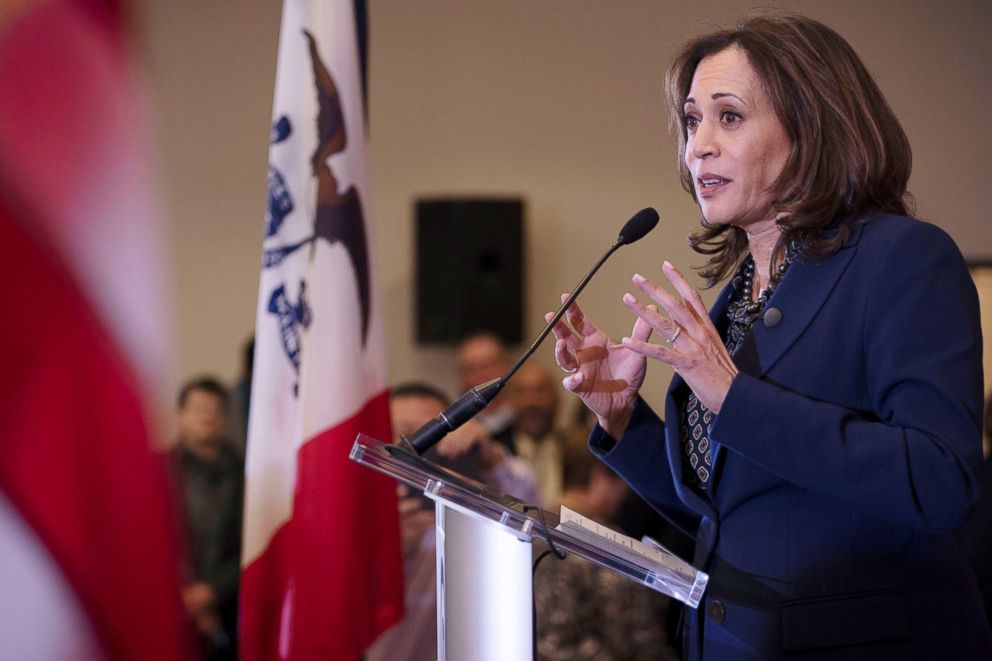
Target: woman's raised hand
(604, 374)
(693, 346)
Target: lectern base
(484, 590)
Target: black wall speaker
(470, 268)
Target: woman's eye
(691, 122)
(729, 117)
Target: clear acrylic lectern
(484, 556)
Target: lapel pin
(773, 317)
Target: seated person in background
(534, 397)
(209, 475)
(583, 610)
(411, 405)
(482, 357)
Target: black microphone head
(639, 224)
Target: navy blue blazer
(846, 450)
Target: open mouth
(710, 181)
(709, 184)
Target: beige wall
(559, 102)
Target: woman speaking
(822, 435)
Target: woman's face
(736, 146)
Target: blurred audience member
(210, 478)
(536, 439)
(482, 357)
(583, 610)
(411, 405)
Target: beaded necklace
(743, 307)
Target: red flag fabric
(322, 571)
(85, 499)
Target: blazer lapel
(798, 298)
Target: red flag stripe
(298, 601)
(75, 458)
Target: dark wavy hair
(850, 157)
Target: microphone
(468, 405)
(634, 229)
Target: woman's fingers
(572, 326)
(649, 316)
(685, 308)
(573, 382)
(580, 384)
(674, 305)
(693, 300)
(564, 333)
(574, 314)
(642, 329)
(685, 290)
(565, 359)
(646, 348)
(577, 319)
(659, 352)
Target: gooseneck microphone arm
(472, 402)
(561, 311)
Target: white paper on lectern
(632, 549)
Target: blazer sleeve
(914, 458)
(639, 458)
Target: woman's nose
(704, 140)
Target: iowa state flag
(322, 571)
(89, 560)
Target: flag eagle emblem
(338, 216)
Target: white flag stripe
(337, 377)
